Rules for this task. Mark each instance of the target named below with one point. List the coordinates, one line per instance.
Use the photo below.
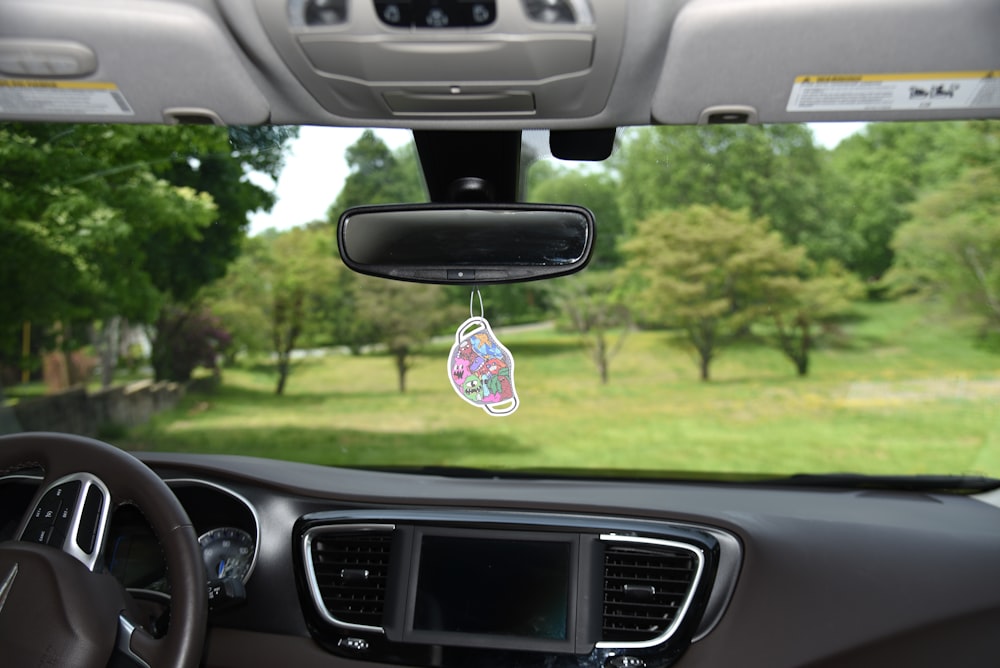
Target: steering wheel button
(48, 507)
(67, 492)
(91, 515)
(38, 534)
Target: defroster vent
(648, 585)
(349, 567)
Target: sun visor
(815, 60)
(129, 62)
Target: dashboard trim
(681, 612)
(718, 557)
(239, 497)
(730, 558)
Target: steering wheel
(57, 605)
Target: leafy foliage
(686, 266)
(130, 219)
(800, 304)
(596, 310)
(133, 222)
(951, 247)
(378, 175)
(84, 202)
(883, 170)
(278, 292)
(403, 317)
(187, 339)
(712, 272)
(774, 171)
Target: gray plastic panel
(500, 58)
(749, 52)
(353, 68)
(159, 55)
(509, 102)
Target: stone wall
(77, 411)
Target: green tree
(881, 171)
(240, 300)
(300, 270)
(191, 336)
(281, 284)
(133, 218)
(378, 175)
(705, 270)
(85, 197)
(340, 313)
(216, 162)
(801, 304)
(774, 171)
(82, 205)
(595, 309)
(404, 317)
(951, 247)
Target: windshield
(761, 300)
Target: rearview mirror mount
(466, 244)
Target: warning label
(47, 98)
(896, 92)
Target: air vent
(349, 568)
(648, 584)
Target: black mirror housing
(466, 244)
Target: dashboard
(317, 566)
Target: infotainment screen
(494, 587)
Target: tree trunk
(284, 353)
(283, 368)
(805, 344)
(161, 354)
(802, 365)
(702, 335)
(63, 344)
(601, 356)
(109, 339)
(401, 368)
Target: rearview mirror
(462, 244)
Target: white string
(472, 296)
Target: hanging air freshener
(481, 368)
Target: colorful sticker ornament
(481, 368)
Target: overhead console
(397, 59)
(455, 588)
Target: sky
(315, 170)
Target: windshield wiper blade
(955, 484)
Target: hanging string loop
(472, 297)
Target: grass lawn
(899, 392)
